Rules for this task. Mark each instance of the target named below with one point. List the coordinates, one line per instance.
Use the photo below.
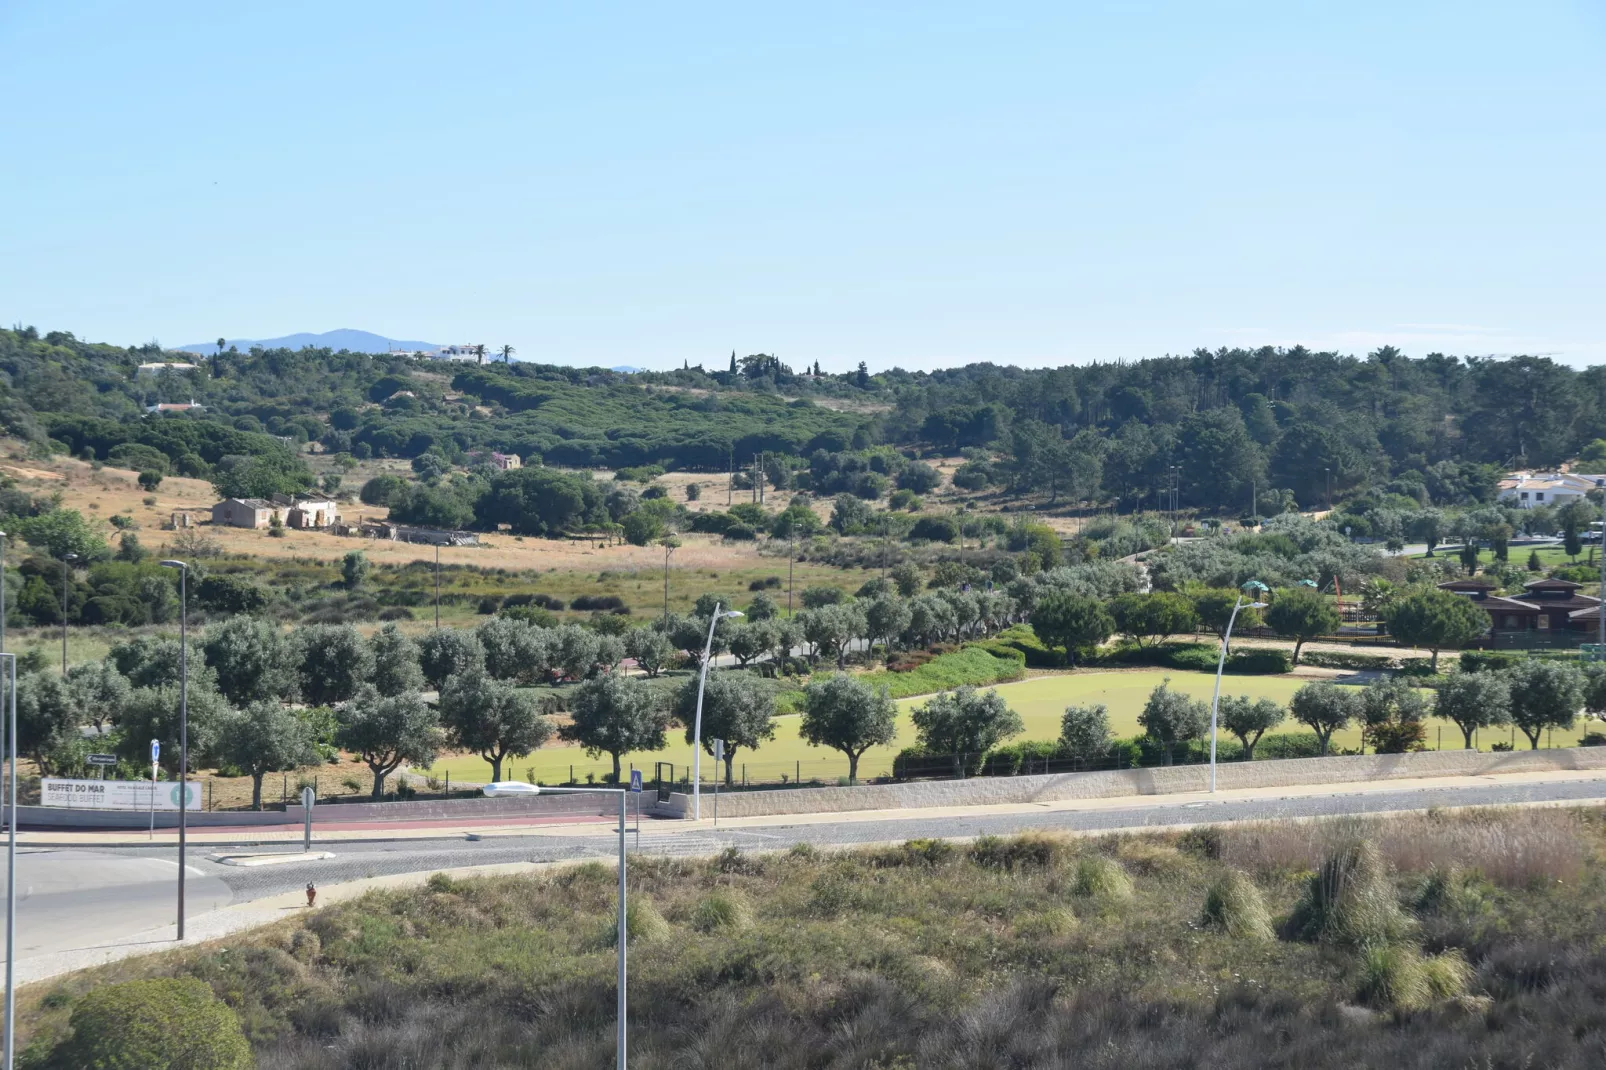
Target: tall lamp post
(1221, 664)
(10, 677)
(437, 586)
(623, 934)
(697, 724)
(183, 726)
(66, 560)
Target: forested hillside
(1233, 431)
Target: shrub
(1350, 900)
(1448, 974)
(1103, 878)
(1259, 661)
(1046, 924)
(1234, 906)
(1487, 660)
(720, 911)
(1026, 756)
(305, 946)
(921, 852)
(1289, 745)
(1017, 852)
(1346, 659)
(604, 602)
(167, 1023)
(643, 922)
(1393, 977)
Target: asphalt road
(354, 861)
(73, 899)
(82, 897)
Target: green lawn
(1039, 701)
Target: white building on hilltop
(1530, 490)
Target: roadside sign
(156, 750)
(719, 749)
(308, 797)
(101, 759)
(635, 781)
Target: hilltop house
(246, 513)
(306, 511)
(161, 367)
(1529, 490)
(505, 461)
(1548, 613)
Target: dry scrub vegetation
(1440, 940)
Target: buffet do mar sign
(116, 794)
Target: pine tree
(733, 362)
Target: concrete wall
(466, 809)
(1059, 787)
(57, 817)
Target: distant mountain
(625, 368)
(345, 338)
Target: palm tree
(507, 353)
(479, 354)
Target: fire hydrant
(312, 894)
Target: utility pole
(791, 559)
(669, 548)
(730, 477)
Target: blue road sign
(635, 780)
(156, 750)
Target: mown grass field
(1468, 939)
(1040, 701)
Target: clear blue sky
(909, 183)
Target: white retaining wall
(1160, 780)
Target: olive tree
(446, 651)
(388, 731)
(847, 715)
(396, 668)
(1474, 700)
(1085, 732)
(333, 662)
(265, 737)
(1544, 694)
(1170, 717)
(1301, 614)
(1074, 623)
(614, 714)
(491, 718)
(253, 658)
(1249, 719)
(738, 707)
(965, 723)
(1324, 708)
(650, 649)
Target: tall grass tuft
(1350, 900)
(1102, 878)
(1448, 974)
(1234, 906)
(1394, 977)
(643, 923)
(1046, 924)
(721, 911)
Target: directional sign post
(308, 797)
(635, 789)
(101, 762)
(156, 754)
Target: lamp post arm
(1215, 699)
(697, 722)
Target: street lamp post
(1221, 664)
(623, 934)
(10, 676)
(437, 587)
(697, 723)
(183, 726)
(65, 561)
